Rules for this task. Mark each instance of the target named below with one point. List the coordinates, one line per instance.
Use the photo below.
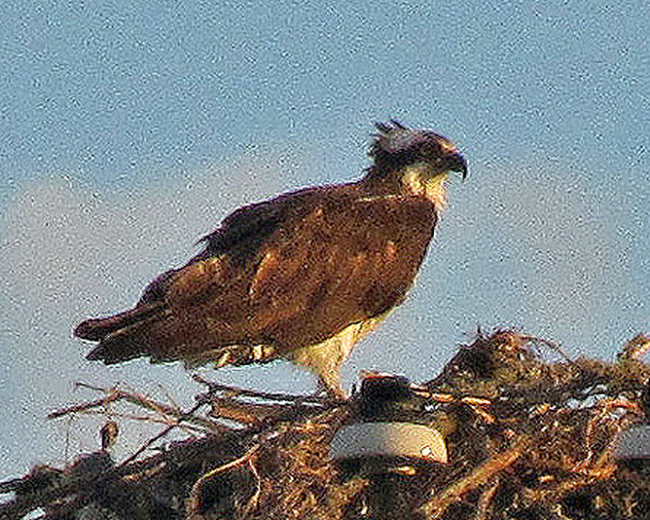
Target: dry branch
(527, 438)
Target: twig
(485, 500)
(155, 438)
(548, 343)
(437, 505)
(194, 496)
(270, 396)
(115, 394)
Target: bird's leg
(330, 383)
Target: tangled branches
(527, 438)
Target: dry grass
(527, 439)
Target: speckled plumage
(302, 276)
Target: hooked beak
(456, 163)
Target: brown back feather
(316, 262)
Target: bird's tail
(120, 336)
(153, 330)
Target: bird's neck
(414, 179)
(417, 179)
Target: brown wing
(127, 335)
(326, 261)
(347, 261)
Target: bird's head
(397, 147)
(420, 159)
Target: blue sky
(128, 130)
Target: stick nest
(527, 439)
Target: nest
(527, 439)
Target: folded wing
(277, 276)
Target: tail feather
(110, 351)
(97, 328)
(119, 335)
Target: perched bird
(302, 276)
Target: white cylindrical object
(389, 439)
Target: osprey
(302, 276)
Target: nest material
(527, 439)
